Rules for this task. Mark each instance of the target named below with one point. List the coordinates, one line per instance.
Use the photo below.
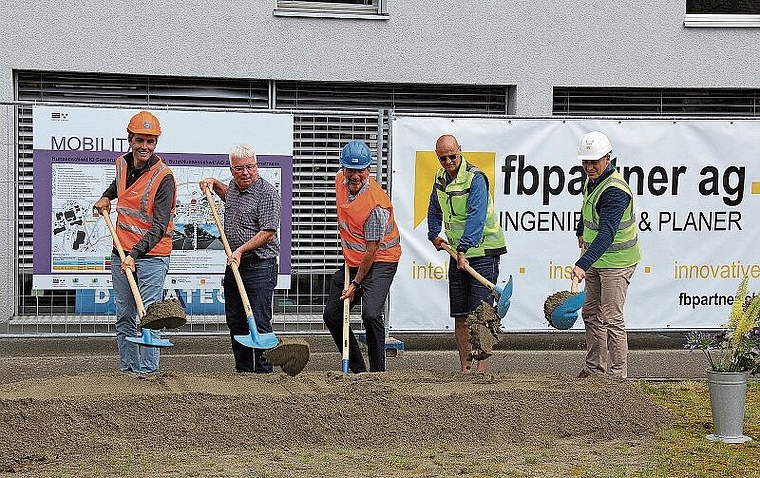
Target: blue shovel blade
(255, 340)
(505, 294)
(147, 339)
(566, 313)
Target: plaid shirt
(248, 211)
(376, 225)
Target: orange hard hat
(144, 123)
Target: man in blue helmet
(371, 248)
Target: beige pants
(606, 339)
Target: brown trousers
(606, 339)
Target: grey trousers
(606, 338)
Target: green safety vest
(624, 250)
(453, 200)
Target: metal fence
(326, 116)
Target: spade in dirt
(561, 308)
(290, 354)
(484, 323)
(168, 313)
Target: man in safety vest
(371, 248)
(460, 202)
(146, 195)
(608, 237)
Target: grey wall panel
(534, 45)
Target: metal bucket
(727, 393)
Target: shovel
(503, 295)
(146, 338)
(254, 340)
(346, 324)
(561, 308)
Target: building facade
(341, 67)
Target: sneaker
(584, 374)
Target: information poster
(74, 162)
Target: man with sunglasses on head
(608, 237)
(371, 248)
(460, 200)
(251, 218)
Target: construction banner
(74, 162)
(696, 187)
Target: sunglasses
(450, 157)
(591, 162)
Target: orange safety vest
(135, 206)
(351, 218)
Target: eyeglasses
(240, 169)
(450, 157)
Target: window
(616, 101)
(365, 9)
(722, 13)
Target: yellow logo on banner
(425, 166)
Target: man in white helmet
(607, 235)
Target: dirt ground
(397, 423)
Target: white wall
(534, 45)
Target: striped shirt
(249, 211)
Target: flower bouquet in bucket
(732, 354)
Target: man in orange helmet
(146, 195)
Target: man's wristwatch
(355, 284)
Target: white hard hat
(593, 146)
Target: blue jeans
(150, 275)
(465, 292)
(259, 279)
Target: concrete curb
(15, 346)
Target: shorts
(465, 292)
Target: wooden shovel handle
(233, 264)
(346, 314)
(469, 268)
(130, 275)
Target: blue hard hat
(355, 155)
